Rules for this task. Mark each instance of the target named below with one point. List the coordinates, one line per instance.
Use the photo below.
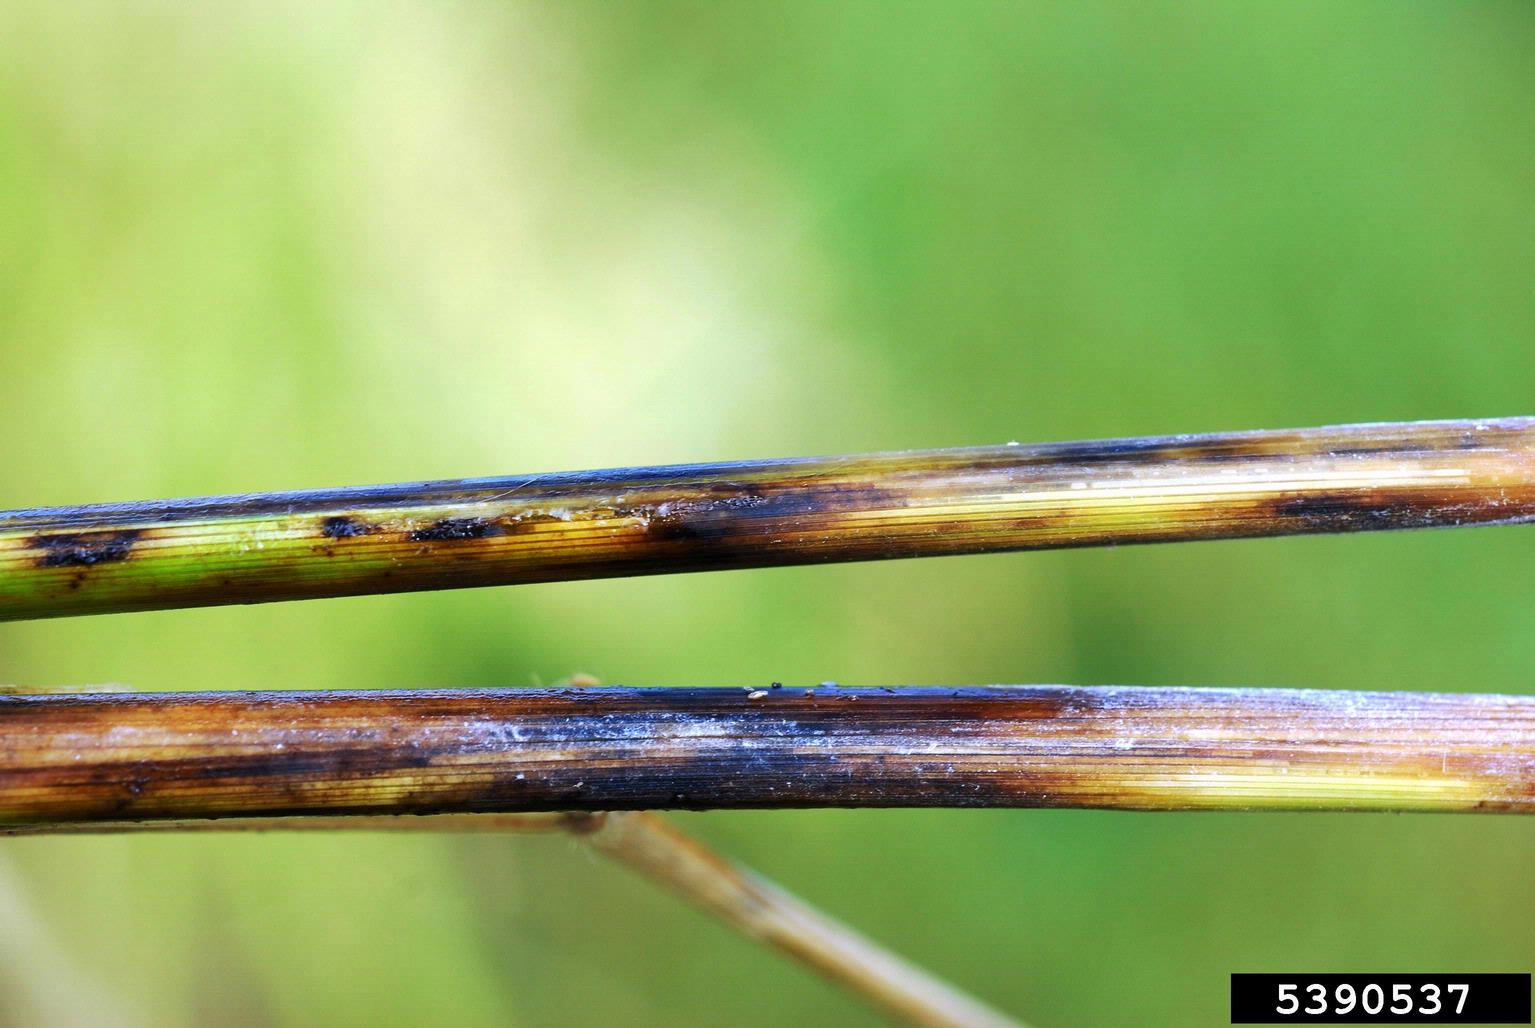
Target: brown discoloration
(529, 521)
(1371, 510)
(116, 757)
(753, 514)
(83, 549)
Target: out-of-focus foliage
(249, 247)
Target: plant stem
(490, 824)
(281, 546)
(762, 910)
(138, 756)
(667, 855)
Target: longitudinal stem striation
(70, 759)
(440, 535)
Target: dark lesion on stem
(83, 549)
(344, 526)
(638, 521)
(454, 529)
(116, 757)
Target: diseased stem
(662, 852)
(497, 824)
(173, 756)
(474, 532)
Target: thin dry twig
(441, 535)
(665, 854)
(762, 910)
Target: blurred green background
(251, 246)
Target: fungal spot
(669, 521)
(526, 522)
(712, 520)
(1353, 511)
(84, 550)
(1313, 508)
(450, 529)
(342, 527)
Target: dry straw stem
(440, 535)
(660, 851)
(82, 758)
(764, 911)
